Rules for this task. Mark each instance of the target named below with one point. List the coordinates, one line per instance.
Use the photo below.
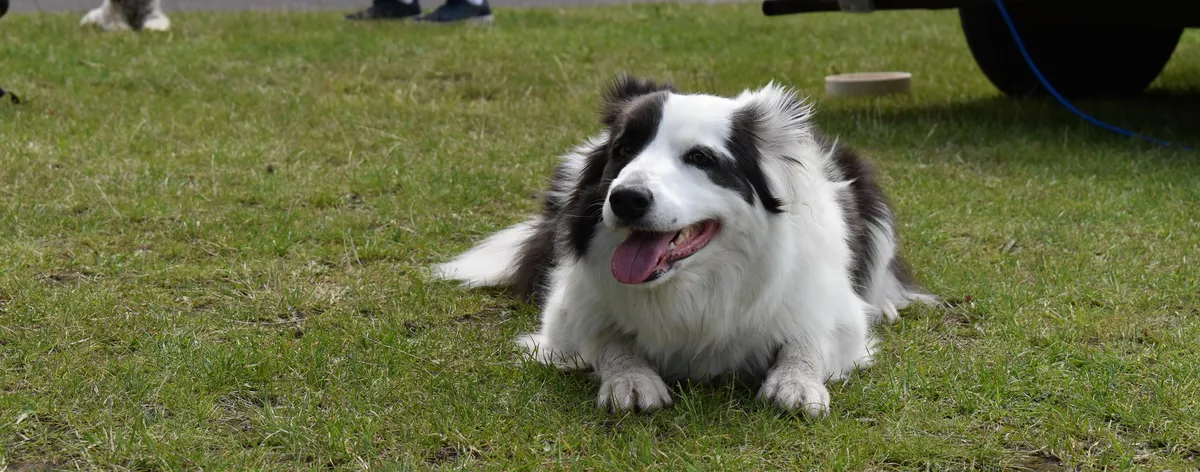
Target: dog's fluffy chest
(698, 333)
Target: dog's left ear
(624, 89)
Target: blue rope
(1045, 83)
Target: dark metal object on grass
(4, 9)
(15, 100)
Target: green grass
(212, 246)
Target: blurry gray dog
(128, 15)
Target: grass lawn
(212, 246)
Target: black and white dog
(702, 237)
(114, 15)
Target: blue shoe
(454, 11)
(387, 11)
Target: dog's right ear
(624, 89)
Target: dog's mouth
(647, 255)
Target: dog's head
(681, 174)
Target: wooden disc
(868, 83)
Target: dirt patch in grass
(66, 276)
(1038, 461)
(487, 315)
(35, 466)
(450, 453)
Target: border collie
(698, 238)
(128, 15)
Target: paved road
(347, 5)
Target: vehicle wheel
(1079, 60)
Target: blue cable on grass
(1045, 83)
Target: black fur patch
(572, 210)
(747, 177)
(536, 258)
(135, 11)
(633, 128)
(864, 205)
(535, 263)
(623, 89)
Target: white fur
(157, 21)
(884, 292)
(477, 267)
(110, 17)
(770, 295)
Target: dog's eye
(622, 152)
(700, 158)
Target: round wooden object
(868, 83)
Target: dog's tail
(494, 262)
(894, 289)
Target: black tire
(1079, 60)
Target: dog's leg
(627, 381)
(95, 16)
(797, 381)
(106, 16)
(157, 20)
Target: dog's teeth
(672, 246)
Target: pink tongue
(636, 258)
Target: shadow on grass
(1001, 122)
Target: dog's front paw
(792, 390)
(93, 17)
(157, 22)
(640, 389)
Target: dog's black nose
(630, 203)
